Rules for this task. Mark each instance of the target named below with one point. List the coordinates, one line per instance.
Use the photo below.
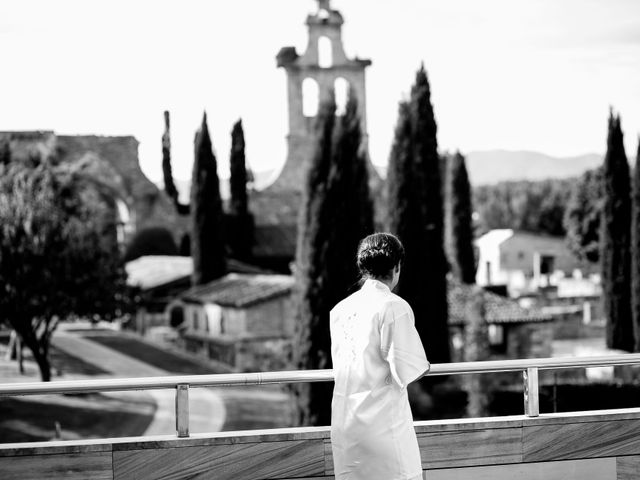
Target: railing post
(531, 399)
(182, 410)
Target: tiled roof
(498, 309)
(152, 271)
(240, 290)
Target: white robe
(376, 353)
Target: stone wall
(246, 354)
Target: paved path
(206, 408)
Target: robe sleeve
(400, 345)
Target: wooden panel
(594, 469)
(475, 447)
(581, 440)
(234, 462)
(628, 467)
(307, 478)
(328, 458)
(458, 449)
(80, 466)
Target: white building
(523, 261)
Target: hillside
(492, 166)
(485, 167)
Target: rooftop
(152, 271)
(240, 290)
(498, 309)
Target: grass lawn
(152, 355)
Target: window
(325, 53)
(310, 97)
(341, 90)
(497, 338)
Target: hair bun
(378, 254)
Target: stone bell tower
(311, 77)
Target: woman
(376, 353)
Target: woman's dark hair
(378, 254)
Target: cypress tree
(169, 184)
(207, 236)
(459, 223)
(416, 215)
(5, 152)
(614, 246)
(635, 250)
(240, 220)
(337, 213)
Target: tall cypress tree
(614, 246)
(635, 250)
(459, 224)
(416, 215)
(207, 236)
(5, 152)
(169, 184)
(240, 222)
(337, 212)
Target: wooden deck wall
(578, 446)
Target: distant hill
(485, 167)
(492, 166)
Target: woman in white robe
(376, 353)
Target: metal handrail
(182, 383)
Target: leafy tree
(635, 249)
(337, 213)
(533, 206)
(615, 242)
(207, 236)
(240, 221)
(416, 216)
(151, 241)
(582, 216)
(169, 184)
(459, 225)
(58, 254)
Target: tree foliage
(582, 216)
(240, 221)
(337, 213)
(614, 241)
(459, 223)
(532, 206)
(169, 184)
(58, 254)
(151, 241)
(416, 216)
(635, 250)
(207, 237)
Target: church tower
(322, 70)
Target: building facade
(245, 321)
(523, 262)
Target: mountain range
(492, 166)
(485, 167)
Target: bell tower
(322, 70)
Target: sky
(505, 74)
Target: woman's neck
(387, 281)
